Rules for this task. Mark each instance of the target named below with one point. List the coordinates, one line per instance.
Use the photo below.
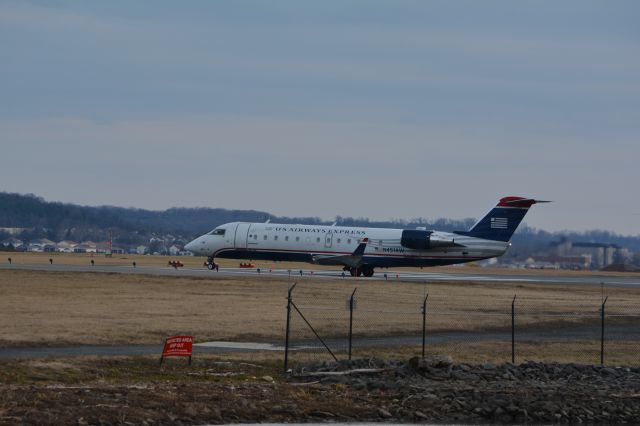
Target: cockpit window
(217, 232)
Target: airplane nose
(190, 246)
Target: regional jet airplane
(360, 250)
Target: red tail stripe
(516, 202)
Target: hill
(58, 221)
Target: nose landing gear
(211, 264)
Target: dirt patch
(215, 390)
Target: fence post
(424, 324)
(602, 331)
(513, 329)
(288, 329)
(351, 321)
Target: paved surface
(398, 275)
(123, 350)
(581, 333)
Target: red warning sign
(178, 346)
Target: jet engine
(425, 240)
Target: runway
(381, 274)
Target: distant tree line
(58, 221)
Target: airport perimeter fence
(577, 325)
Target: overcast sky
(394, 109)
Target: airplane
(360, 250)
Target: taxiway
(396, 275)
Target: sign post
(177, 346)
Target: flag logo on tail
(499, 223)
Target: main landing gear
(365, 270)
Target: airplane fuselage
(360, 250)
(321, 244)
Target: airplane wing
(353, 260)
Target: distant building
(174, 250)
(39, 245)
(102, 248)
(86, 247)
(66, 246)
(11, 241)
(601, 255)
(537, 263)
(142, 249)
(624, 255)
(558, 262)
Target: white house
(11, 241)
(39, 245)
(66, 246)
(86, 247)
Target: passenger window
(265, 238)
(318, 240)
(255, 236)
(286, 238)
(297, 238)
(349, 241)
(275, 238)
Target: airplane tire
(367, 271)
(211, 265)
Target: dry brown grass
(585, 352)
(48, 308)
(97, 308)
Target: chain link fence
(572, 325)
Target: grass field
(52, 308)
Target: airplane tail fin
(501, 222)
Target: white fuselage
(310, 243)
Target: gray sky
(394, 109)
